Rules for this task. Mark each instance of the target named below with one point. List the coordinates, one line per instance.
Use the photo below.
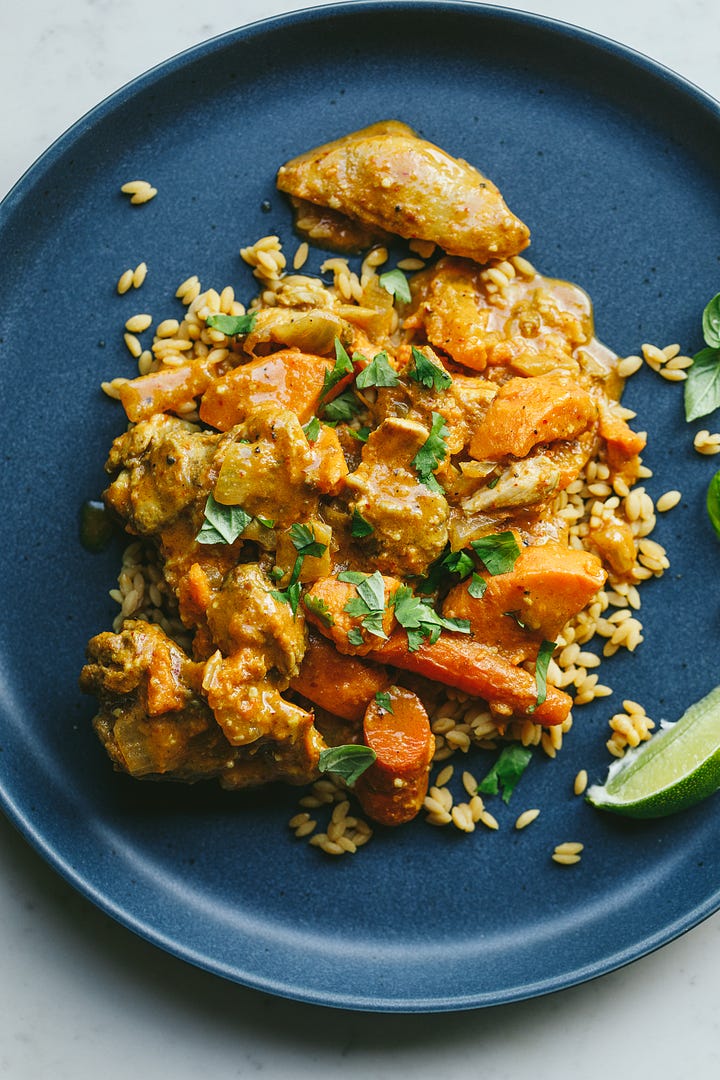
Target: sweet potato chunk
(525, 412)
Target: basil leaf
(232, 324)
(506, 771)
(430, 375)
(712, 502)
(342, 367)
(222, 524)
(498, 551)
(377, 373)
(395, 282)
(702, 386)
(711, 323)
(541, 667)
(477, 586)
(432, 452)
(348, 761)
(359, 527)
(384, 700)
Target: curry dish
(361, 514)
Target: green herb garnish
(304, 542)
(432, 453)
(395, 282)
(359, 527)
(222, 524)
(369, 604)
(498, 551)
(312, 429)
(477, 586)
(451, 563)
(712, 501)
(232, 324)
(342, 367)
(384, 700)
(420, 620)
(430, 375)
(343, 408)
(361, 434)
(317, 606)
(349, 761)
(378, 373)
(541, 669)
(702, 386)
(506, 772)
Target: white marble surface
(80, 997)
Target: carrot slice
(343, 685)
(163, 391)
(392, 790)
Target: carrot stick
(343, 685)
(392, 790)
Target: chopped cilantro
(498, 551)
(222, 524)
(395, 282)
(541, 668)
(291, 594)
(304, 542)
(319, 608)
(268, 523)
(506, 771)
(342, 367)
(432, 452)
(232, 324)
(377, 373)
(359, 527)
(361, 434)
(344, 407)
(312, 429)
(349, 761)
(477, 586)
(430, 375)
(368, 605)
(452, 562)
(384, 700)
(420, 620)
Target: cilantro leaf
(319, 608)
(269, 523)
(232, 324)
(342, 367)
(359, 527)
(361, 434)
(349, 761)
(477, 586)
(290, 595)
(355, 636)
(395, 282)
(702, 386)
(506, 771)
(222, 524)
(424, 371)
(343, 408)
(541, 668)
(377, 373)
(304, 542)
(353, 577)
(368, 605)
(420, 620)
(384, 700)
(711, 323)
(432, 452)
(312, 429)
(498, 551)
(452, 562)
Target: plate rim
(20, 818)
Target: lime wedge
(677, 768)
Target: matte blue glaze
(614, 163)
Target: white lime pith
(676, 769)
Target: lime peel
(676, 769)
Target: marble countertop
(80, 996)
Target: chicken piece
(162, 469)
(409, 520)
(386, 177)
(529, 411)
(155, 722)
(454, 312)
(327, 228)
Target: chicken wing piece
(387, 178)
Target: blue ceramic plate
(614, 163)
